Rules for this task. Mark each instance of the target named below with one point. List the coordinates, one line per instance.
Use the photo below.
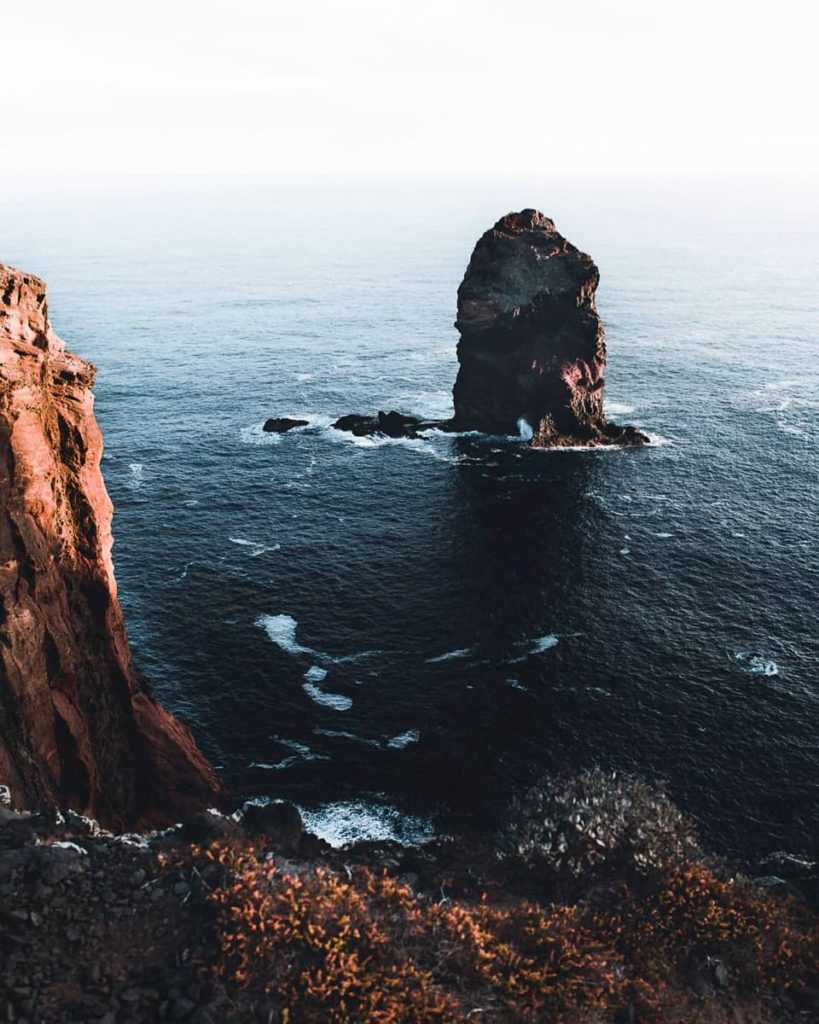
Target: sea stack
(78, 726)
(532, 351)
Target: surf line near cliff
(532, 351)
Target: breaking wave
(359, 820)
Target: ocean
(401, 635)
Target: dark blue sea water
(399, 635)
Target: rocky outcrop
(385, 424)
(531, 352)
(281, 424)
(531, 349)
(78, 726)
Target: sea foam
(406, 739)
(335, 701)
(757, 665)
(282, 631)
(451, 655)
(356, 821)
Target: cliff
(532, 345)
(78, 726)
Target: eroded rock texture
(531, 346)
(78, 726)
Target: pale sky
(386, 87)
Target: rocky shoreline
(107, 927)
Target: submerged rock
(531, 346)
(78, 725)
(281, 424)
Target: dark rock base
(548, 435)
(281, 424)
(387, 424)
(600, 434)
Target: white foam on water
(256, 434)
(135, 481)
(479, 435)
(341, 734)
(347, 658)
(405, 739)
(419, 445)
(663, 536)
(757, 665)
(516, 684)
(525, 431)
(315, 674)
(451, 655)
(544, 643)
(299, 748)
(586, 448)
(625, 551)
(280, 765)
(656, 440)
(301, 752)
(335, 701)
(256, 549)
(358, 820)
(761, 667)
(282, 631)
(619, 408)
(538, 645)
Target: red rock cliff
(78, 726)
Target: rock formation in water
(281, 424)
(531, 346)
(531, 352)
(385, 424)
(78, 726)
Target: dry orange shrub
(334, 948)
(690, 914)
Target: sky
(409, 87)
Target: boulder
(279, 820)
(281, 424)
(385, 424)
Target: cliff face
(78, 726)
(531, 345)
